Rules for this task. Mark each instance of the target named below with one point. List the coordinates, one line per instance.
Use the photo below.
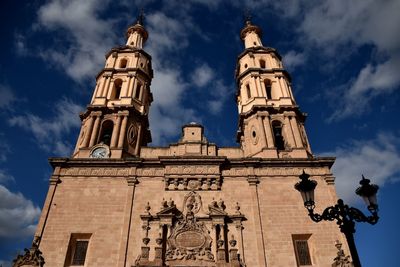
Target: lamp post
(344, 215)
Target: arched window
(278, 137)
(248, 91)
(116, 92)
(262, 63)
(123, 63)
(106, 132)
(138, 89)
(268, 88)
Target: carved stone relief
(132, 134)
(187, 238)
(95, 172)
(174, 182)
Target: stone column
(95, 130)
(296, 131)
(134, 87)
(126, 230)
(122, 133)
(262, 258)
(96, 91)
(103, 84)
(88, 131)
(289, 132)
(107, 86)
(115, 134)
(239, 229)
(263, 135)
(129, 89)
(281, 86)
(262, 88)
(142, 92)
(268, 132)
(255, 85)
(139, 140)
(286, 87)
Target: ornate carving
(217, 208)
(131, 134)
(183, 237)
(193, 183)
(200, 170)
(341, 259)
(95, 172)
(32, 256)
(189, 240)
(149, 172)
(254, 135)
(192, 202)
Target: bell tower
(115, 124)
(270, 123)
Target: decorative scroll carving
(278, 171)
(341, 259)
(131, 134)
(190, 240)
(184, 238)
(192, 202)
(32, 256)
(95, 172)
(200, 170)
(149, 172)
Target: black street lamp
(344, 215)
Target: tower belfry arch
(118, 202)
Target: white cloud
(18, 215)
(219, 94)
(371, 81)
(293, 59)
(339, 25)
(7, 98)
(89, 36)
(333, 23)
(50, 133)
(5, 263)
(4, 148)
(202, 75)
(167, 114)
(166, 35)
(20, 44)
(377, 159)
(216, 92)
(5, 177)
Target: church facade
(118, 202)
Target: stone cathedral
(117, 202)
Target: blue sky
(343, 56)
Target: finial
(140, 17)
(247, 16)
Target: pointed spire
(247, 17)
(140, 17)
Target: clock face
(99, 153)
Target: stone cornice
(223, 161)
(259, 71)
(127, 49)
(111, 71)
(259, 50)
(301, 116)
(106, 110)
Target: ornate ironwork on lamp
(344, 215)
